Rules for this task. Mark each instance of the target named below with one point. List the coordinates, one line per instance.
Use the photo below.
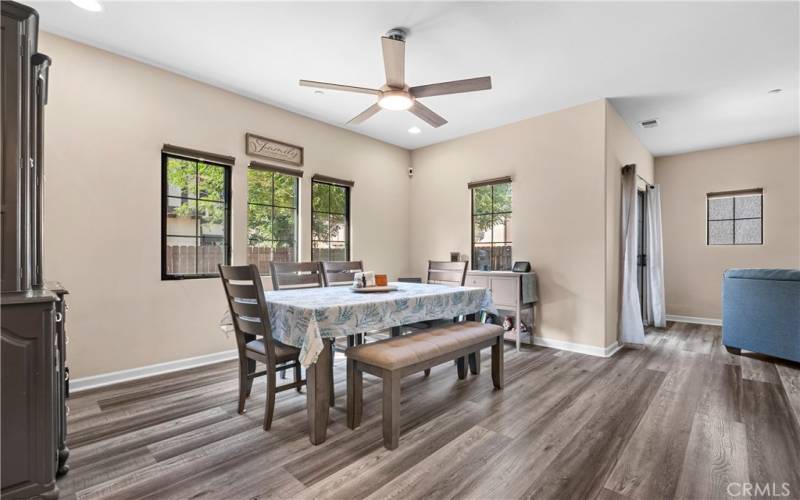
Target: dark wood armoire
(32, 312)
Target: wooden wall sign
(274, 150)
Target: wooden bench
(394, 358)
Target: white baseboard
(612, 349)
(693, 319)
(104, 379)
(563, 345)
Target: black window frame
(492, 214)
(734, 195)
(164, 207)
(347, 193)
(276, 171)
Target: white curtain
(654, 306)
(631, 329)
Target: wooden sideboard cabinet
(511, 292)
(30, 381)
(32, 314)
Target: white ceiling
(703, 69)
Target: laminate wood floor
(681, 418)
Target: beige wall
(106, 121)
(622, 148)
(692, 269)
(558, 167)
(109, 116)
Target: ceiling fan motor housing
(397, 34)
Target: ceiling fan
(396, 95)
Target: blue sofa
(761, 311)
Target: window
(330, 219)
(195, 216)
(272, 194)
(491, 225)
(735, 218)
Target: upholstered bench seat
(396, 357)
(419, 347)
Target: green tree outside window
(196, 222)
(330, 222)
(491, 227)
(271, 217)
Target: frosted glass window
(748, 207)
(748, 232)
(720, 232)
(720, 208)
(735, 218)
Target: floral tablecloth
(302, 318)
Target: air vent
(652, 123)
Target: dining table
(312, 318)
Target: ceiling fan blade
(456, 87)
(394, 62)
(427, 115)
(335, 86)
(361, 118)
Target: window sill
(173, 277)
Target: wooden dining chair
(250, 317)
(444, 273)
(447, 272)
(409, 280)
(294, 275)
(341, 273)
(298, 276)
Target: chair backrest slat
(447, 273)
(242, 291)
(247, 309)
(235, 273)
(247, 304)
(447, 265)
(251, 328)
(340, 273)
(296, 275)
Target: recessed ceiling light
(319, 92)
(414, 130)
(775, 91)
(90, 5)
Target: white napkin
(362, 279)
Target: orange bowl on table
(381, 280)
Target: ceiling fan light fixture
(90, 5)
(395, 100)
